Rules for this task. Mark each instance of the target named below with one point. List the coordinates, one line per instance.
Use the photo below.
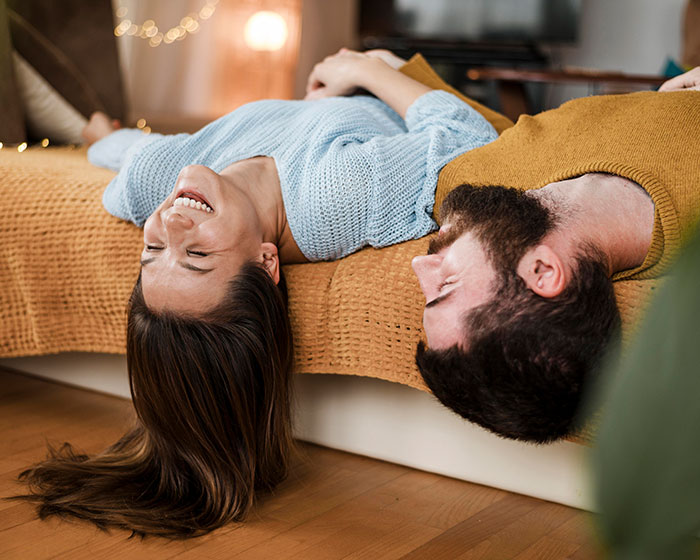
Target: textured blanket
(67, 268)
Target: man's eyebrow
(188, 266)
(439, 299)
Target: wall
(209, 73)
(634, 36)
(327, 25)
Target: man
(518, 283)
(535, 226)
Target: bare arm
(347, 71)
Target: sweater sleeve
(148, 168)
(387, 183)
(111, 151)
(418, 69)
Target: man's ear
(271, 260)
(543, 271)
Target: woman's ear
(271, 260)
(543, 271)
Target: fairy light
(150, 31)
(141, 123)
(22, 147)
(45, 143)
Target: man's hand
(99, 126)
(689, 80)
(339, 74)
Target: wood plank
(333, 505)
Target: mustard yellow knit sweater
(648, 137)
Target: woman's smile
(190, 200)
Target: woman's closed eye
(190, 252)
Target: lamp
(265, 31)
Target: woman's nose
(176, 225)
(177, 221)
(427, 269)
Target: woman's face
(191, 250)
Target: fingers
(318, 93)
(313, 82)
(387, 56)
(673, 84)
(99, 126)
(689, 80)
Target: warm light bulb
(265, 31)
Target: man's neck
(612, 213)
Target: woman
(209, 345)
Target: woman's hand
(342, 73)
(99, 126)
(689, 80)
(389, 57)
(346, 71)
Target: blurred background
(178, 64)
(215, 70)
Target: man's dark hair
(527, 356)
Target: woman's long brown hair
(212, 399)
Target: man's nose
(427, 269)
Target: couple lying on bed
(519, 301)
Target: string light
(150, 31)
(24, 146)
(141, 124)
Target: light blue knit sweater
(352, 172)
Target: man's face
(454, 278)
(485, 233)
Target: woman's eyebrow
(188, 266)
(195, 268)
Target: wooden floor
(335, 505)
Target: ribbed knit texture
(352, 172)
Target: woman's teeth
(189, 203)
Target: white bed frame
(383, 420)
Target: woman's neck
(258, 177)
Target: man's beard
(507, 222)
